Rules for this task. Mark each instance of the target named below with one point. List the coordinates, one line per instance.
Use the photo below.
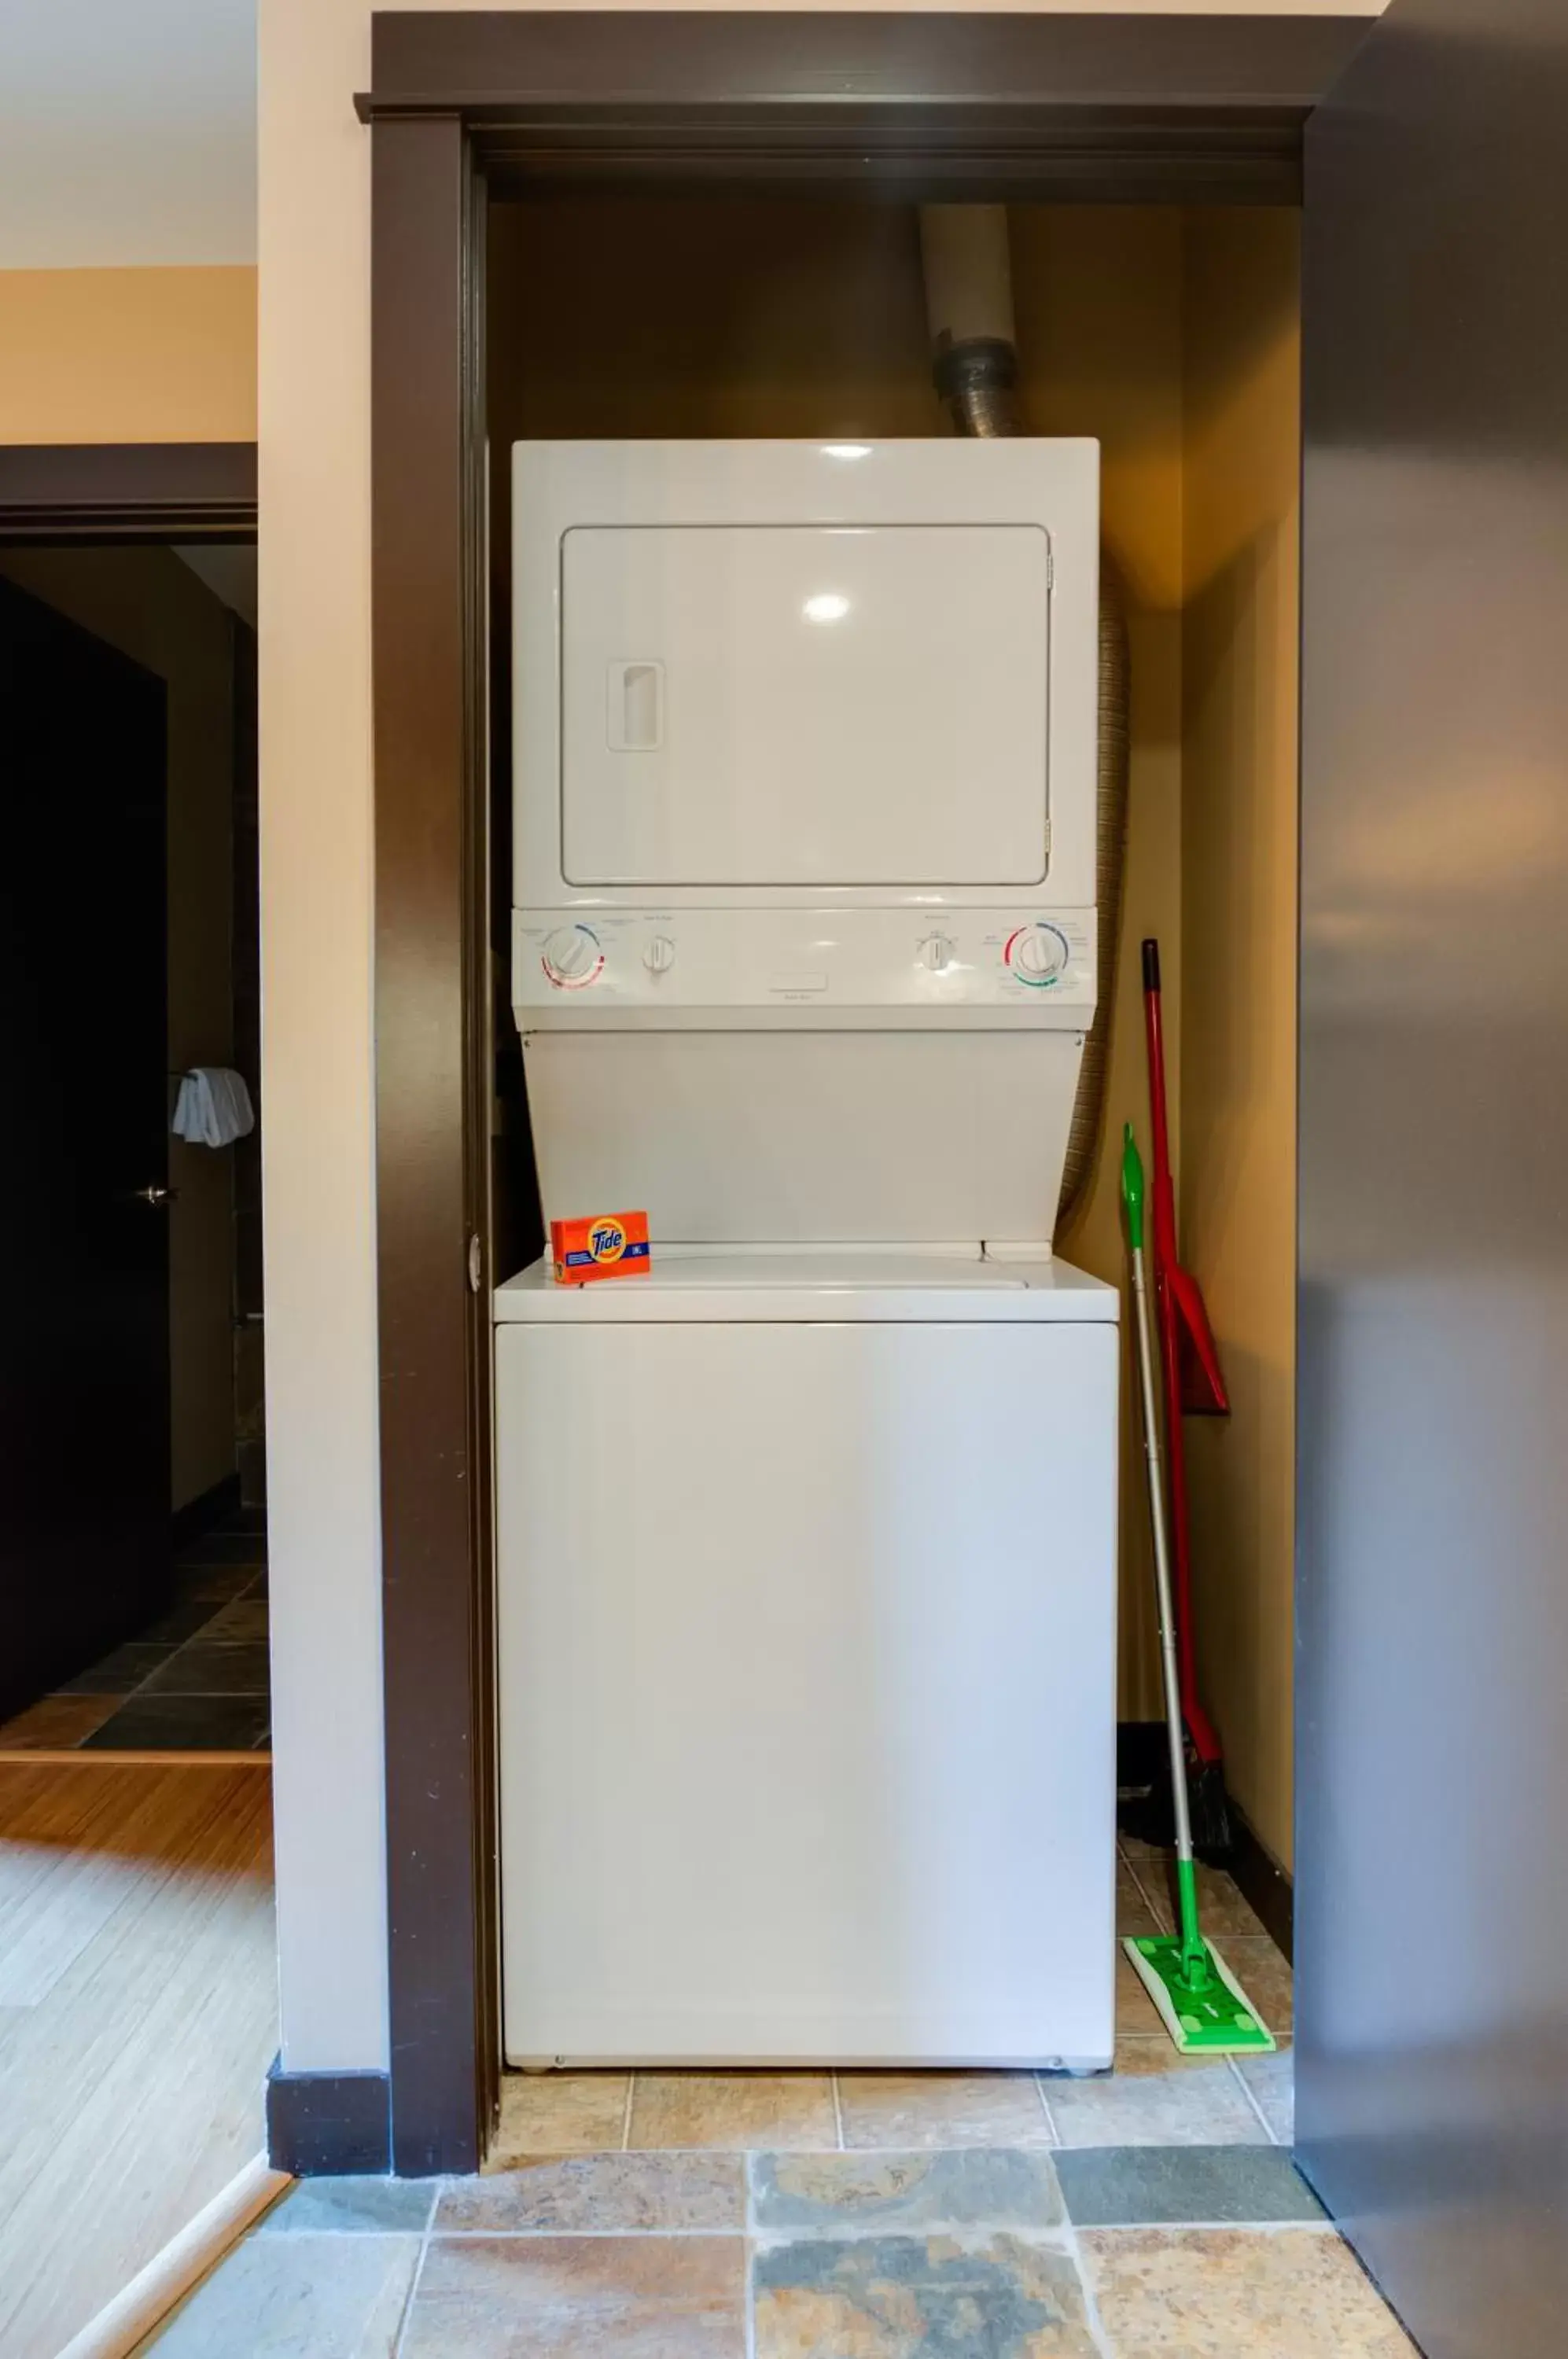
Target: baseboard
(1143, 1788)
(207, 1510)
(1142, 1757)
(328, 2125)
(1262, 1883)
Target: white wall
(127, 134)
(318, 1050)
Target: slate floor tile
(906, 2110)
(224, 1548)
(180, 1723)
(1264, 1972)
(1172, 2293)
(344, 2207)
(1220, 1902)
(1271, 2084)
(1115, 2187)
(892, 2297)
(904, 2194)
(213, 1667)
(243, 1619)
(735, 2111)
(558, 2113)
(1154, 2097)
(1135, 2011)
(181, 1621)
(322, 2296)
(589, 2297)
(599, 2194)
(1140, 1904)
(120, 1671)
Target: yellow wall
(1097, 297)
(1238, 1068)
(127, 356)
(145, 602)
(808, 317)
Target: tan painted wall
(146, 603)
(1239, 1073)
(762, 317)
(127, 356)
(1097, 295)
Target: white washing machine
(807, 1540)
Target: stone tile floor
(1151, 2214)
(195, 1681)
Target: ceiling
(127, 133)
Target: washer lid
(686, 1285)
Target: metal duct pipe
(975, 368)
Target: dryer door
(760, 705)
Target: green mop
(1203, 2007)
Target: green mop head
(1203, 2007)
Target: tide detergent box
(610, 1245)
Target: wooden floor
(137, 2017)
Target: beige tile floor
(1147, 2214)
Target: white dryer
(807, 1541)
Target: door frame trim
(128, 491)
(461, 105)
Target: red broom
(1194, 1386)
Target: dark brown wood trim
(430, 1165)
(1090, 155)
(327, 2125)
(489, 64)
(128, 491)
(205, 1513)
(1262, 1883)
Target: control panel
(951, 964)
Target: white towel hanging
(213, 1107)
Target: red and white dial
(1037, 955)
(573, 958)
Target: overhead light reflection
(826, 606)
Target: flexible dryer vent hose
(975, 366)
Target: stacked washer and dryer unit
(807, 1541)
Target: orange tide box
(610, 1245)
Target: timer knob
(935, 953)
(571, 954)
(659, 955)
(1038, 953)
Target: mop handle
(1132, 1194)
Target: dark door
(1433, 1751)
(84, 1498)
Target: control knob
(1036, 954)
(572, 956)
(659, 955)
(935, 953)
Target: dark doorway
(133, 1525)
(84, 1475)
